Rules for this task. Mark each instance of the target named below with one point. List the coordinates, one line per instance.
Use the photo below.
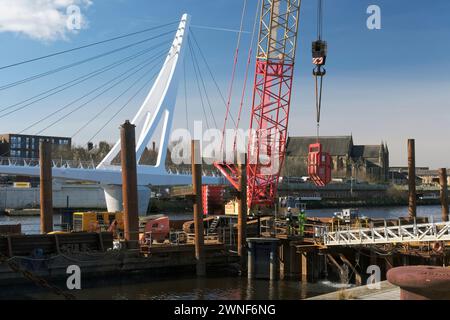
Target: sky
(381, 85)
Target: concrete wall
(80, 196)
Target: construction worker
(301, 221)
(289, 220)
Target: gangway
(423, 232)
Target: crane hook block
(319, 165)
(319, 52)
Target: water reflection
(174, 288)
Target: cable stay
(139, 68)
(124, 105)
(185, 95)
(247, 68)
(70, 84)
(233, 73)
(65, 67)
(211, 73)
(121, 75)
(113, 101)
(87, 46)
(198, 85)
(204, 86)
(319, 162)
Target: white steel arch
(158, 106)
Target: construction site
(236, 219)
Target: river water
(214, 287)
(218, 285)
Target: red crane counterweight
(319, 165)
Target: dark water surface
(214, 287)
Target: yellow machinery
(95, 221)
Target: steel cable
(86, 46)
(65, 67)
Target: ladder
(213, 226)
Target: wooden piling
(196, 163)
(242, 209)
(412, 206)
(444, 193)
(46, 192)
(129, 184)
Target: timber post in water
(242, 210)
(444, 193)
(412, 207)
(129, 184)
(46, 191)
(196, 163)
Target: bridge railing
(56, 163)
(423, 232)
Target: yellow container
(84, 221)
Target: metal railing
(423, 232)
(56, 163)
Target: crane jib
(276, 49)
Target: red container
(319, 165)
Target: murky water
(214, 287)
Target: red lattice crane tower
(275, 59)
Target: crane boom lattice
(271, 101)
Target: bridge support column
(444, 193)
(129, 184)
(114, 202)
(46, 191)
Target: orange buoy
(319, 165)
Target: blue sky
(382, 85)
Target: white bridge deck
(423, 232)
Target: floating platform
(48, 256)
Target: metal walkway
(424, 232)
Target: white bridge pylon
(158, 106)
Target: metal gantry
(422, 232)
